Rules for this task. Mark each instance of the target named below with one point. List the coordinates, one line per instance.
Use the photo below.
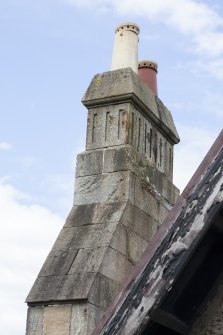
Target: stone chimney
(125, 50)
(123, 192)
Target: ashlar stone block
(163, 212)
(60, 288)
(95, 213)
(169, 191)
(145, 198)
(88, 260)
(110, 187)
(84, 318)
(34, 324)
(139, 222)
(103, 291)
(58, 262)
(85, 236)
(57, 320)
(115, 266)
(119, 240)
(126, 158)
(89, 163)
(137, 246)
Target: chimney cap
(128, 26)
(148, 63)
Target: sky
(49, 52)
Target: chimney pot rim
(148, 63)
(128, 26)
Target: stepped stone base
(116, 213)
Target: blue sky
(50, 50)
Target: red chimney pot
(148, 73)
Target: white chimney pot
(125, 51)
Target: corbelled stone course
(61, 288)
(124, 85)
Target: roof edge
(194, 182)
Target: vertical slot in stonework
(145, 139)
(150, 142)
(155, 149)
(94, 124)
(161, 151)
(119, 122)
(132, 130)
(170, 161)
(107, 126)
(139, 135)
(165, 157)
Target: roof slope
(169, 250)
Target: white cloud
(27, 234)
(195, 19)
(215, 68)
(5, 146)
(213, 103)
(204, 67)
(189, 153)
(210, 43)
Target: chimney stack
(148, 73)
(123, 192)
(125, 51)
